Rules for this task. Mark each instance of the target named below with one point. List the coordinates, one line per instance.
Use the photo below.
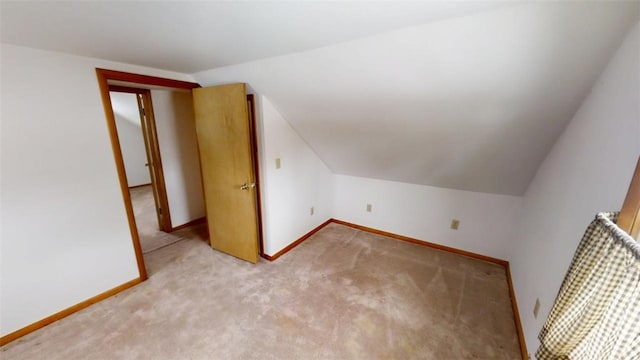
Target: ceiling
(472, 103)
(190, 36)
(463, 95)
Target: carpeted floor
(342, 294)
(144, 210)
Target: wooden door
(226, 160)
(154, 163)
(629, 218)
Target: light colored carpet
(144, 210)
(342, 294)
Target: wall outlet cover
(536, 308)
(369, 207)
(278, 163)
(312, 211)
(455, 223)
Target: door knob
(247, 186)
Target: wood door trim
(145, 79)
(516, 314)
(148, 150)
(139, 186)
(104, 76)
(66, 312)
(424, 243)
(156, 162)
(387, 234)
(629, 218)
(199, 220)
(297, 242)
(126, 89)
(122, 175)
(256, 167)
(152, 152)
(503, 263)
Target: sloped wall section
(587, 171)
(471, 103)
(301, 181)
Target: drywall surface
(488, 222)
(587, 171)
(472, 102)
(65, 235)
(288, 193)
(173, 111)
(199, 35)
(125, 109)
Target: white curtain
(596, 314)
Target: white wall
(56, 163)
(173, 111)
(472, 102)
(130, 137)
(64, 236)
(587, 171)
(288, 193)
(488, 222)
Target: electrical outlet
(312, 211)
(369, 207)
(455, 223)
(278, 163)
(536, 308)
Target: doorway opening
(231, 105)
(245, 187)
(136, 128)
(139, 88)
(139, 144)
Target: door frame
(152, 150)
(256, 167)
(131, 79)
(629, 218)
(106, 76)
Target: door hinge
(160, 211)
(142, 113)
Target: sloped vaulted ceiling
(190, 36)
(472, 103)
(463, 95)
